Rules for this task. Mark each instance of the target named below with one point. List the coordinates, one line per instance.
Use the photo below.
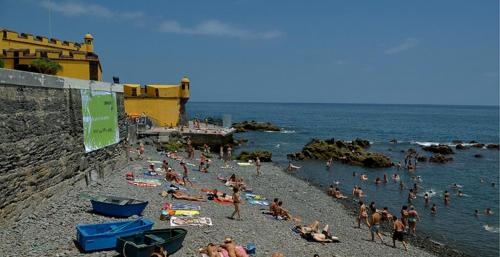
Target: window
(134, 91)
(183, 86)
(157, 92)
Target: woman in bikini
(412, 219)
(362, 214)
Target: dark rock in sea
(493, 146)
(393, 141)
(440, 149)
(461, 147)
(353, 153)
(478, 145)
(478, 155)
(255, 126)
(439, 158)
(473, 142)
(361, 142)
(457, 142)
(264, 156)
(421, 158)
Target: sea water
(412, 126)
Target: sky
(388, 52)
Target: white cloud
(216, 28)
(73, 8)
(405, 45)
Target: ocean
(412, 126)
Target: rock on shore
(264, 156)
(354, 153)
(255, 126)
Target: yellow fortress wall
(77, 59)
(163, 104)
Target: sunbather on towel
(183, 196)
(284, 213)
(211, 250)
(311, 232)
(232, 249)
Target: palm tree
(45, 66)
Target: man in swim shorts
(398, 233)
(375, 226)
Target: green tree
(1, 63)
(45, 66)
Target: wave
(425, 143)
(491, 229)
(287, 131)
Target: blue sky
(400, 52)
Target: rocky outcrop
(457, 142)
(478, 145)
(440, 149)
(439, 158)
(264, 156)
(353, 153)
(461, 147)
(493, 146)
(255, 126)
(393, 141)
(421, 158)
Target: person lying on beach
(311, 232)
(184, 196)
(232, 248)
(211, 250)
(292, 167)
(338, 195)
(222, 196)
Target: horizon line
(409, 104)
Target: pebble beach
(49, 230)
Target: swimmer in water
(434, 209)
(488, 211)
(364, 177)
(476, 213)
(426, 198)
(455, 186)
(354, 174)
(493, 184)
(446, 197)
(401, 185)
(377, 181)
(385, 178)
(481, 180)
(460, 194)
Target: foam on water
(491, 229)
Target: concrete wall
(41, 142)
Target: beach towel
(226, 201)
(245, 164)
(153, 162)
(185, 206)
(258, 202)
(253, 196)
(186, 213)
(175, 187)
(176, 221)
(190, 164)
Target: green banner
(100, 120)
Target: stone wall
(41, 142)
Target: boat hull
(116, 210)
(143, 244)
(96, 237)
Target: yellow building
(78, 60)
(163, 104)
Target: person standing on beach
(362, 214)
(140, 150)
(229, 153)
(375, 226)
(236, 203)
(221, 152)
(202, 162)
(412, 219)
(398, 233)
(257, 165)
(185, 174)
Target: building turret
(89, 46)
(185, 87)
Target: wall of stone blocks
(41, 139)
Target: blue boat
(96, 237)
(117, 206)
